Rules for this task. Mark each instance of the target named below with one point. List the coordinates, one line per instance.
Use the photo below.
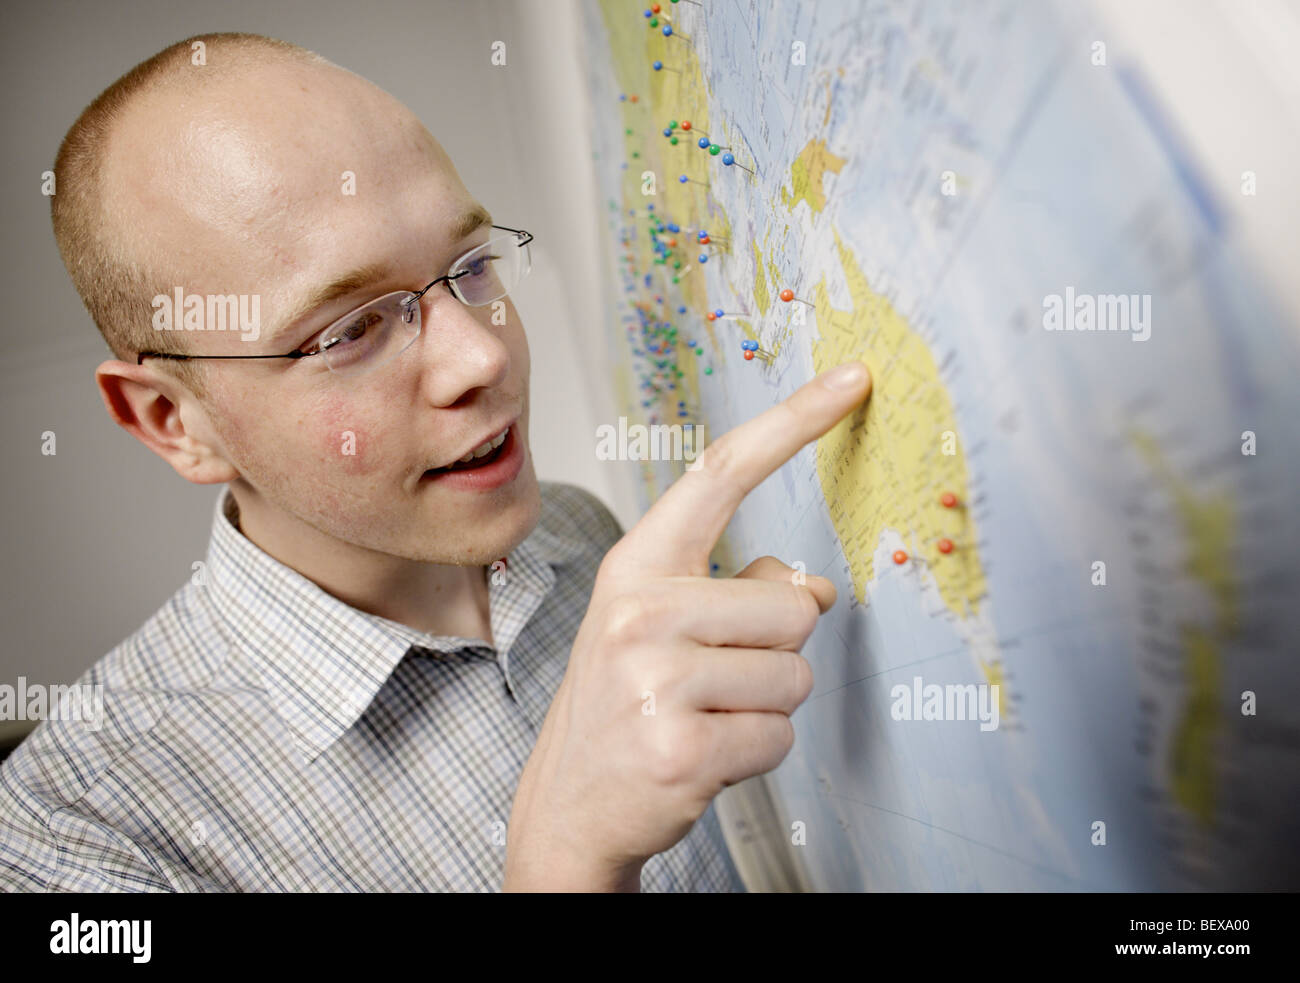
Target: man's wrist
(551, 875)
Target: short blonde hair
(115, 286)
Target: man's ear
(147, 404)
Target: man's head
(266, 171)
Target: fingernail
(850, 375)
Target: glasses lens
(371, 335)
(491, 271)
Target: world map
(1080, 519)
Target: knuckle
(803, 677)
(783, 735)
(628, 617)
(768, 565)
(808, 611)
(673, 758)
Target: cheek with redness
(346, 443)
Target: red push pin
(787, 295)
(900, 557)
(633, 98)
(948, 500)
(945, 545)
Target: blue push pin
(720, 314)
(729, 159)
(668, 33)
(659, 66)
(690, 180)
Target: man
(399, 667)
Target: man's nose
(461, 351)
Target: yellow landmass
(1191, 753)
(661, 97)
(806, 175)
(883, 467)
(1209, 523)
(761, 297)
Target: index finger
(679, 531)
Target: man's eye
(477, 267)
(352, 331)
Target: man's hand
(678, 684)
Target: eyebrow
(363, 276)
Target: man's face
(245, 187)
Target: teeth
(483, 449)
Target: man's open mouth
(484, 453)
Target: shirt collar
(322, 661)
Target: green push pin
(714, 149)
(628, 131)
(708, 371)
(677, 279)
(673, 141)
(672, 124)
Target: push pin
(690, 180)
(945, 546)
(659, 66)
(730, 159)
(948, 500)
(750, 348)
(787, 295)
(668, 33)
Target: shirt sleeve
(48, 847)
